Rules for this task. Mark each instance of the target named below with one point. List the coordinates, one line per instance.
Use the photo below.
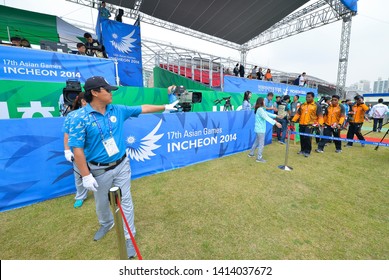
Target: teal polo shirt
(88, 128)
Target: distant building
(351, 93)
(381, 86)
(363, 86)
(372, 98)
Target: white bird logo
(144, 150)
(125, 44)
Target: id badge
(110, 146)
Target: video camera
(218, 101)
(99, 48)
(69, 95)
(186, 98)
(71, 91)
(227, 105)
(324, 98)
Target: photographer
(172, 95)
(357, 117)
(183, 99)
(93, 47)
(282, 118)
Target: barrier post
(286, 167)
(114, 193)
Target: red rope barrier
(129, 230)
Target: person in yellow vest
(357, 117)
(309, 115)
(333, 119)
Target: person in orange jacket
(333, 119)
(309, 115)
(357, 114)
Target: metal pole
(179, 66)
(117, 72)
(192, 68)
(210, 73)
(286, 167)
(157, 60)
(114, 193)
(221, 75)
(201, 70)
(9, 35)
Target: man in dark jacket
(241, 70)
(93, 47)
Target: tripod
(66, 110)
(227, 105)
(386, 133)
(372, 130)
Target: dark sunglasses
(106, 89)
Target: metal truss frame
(343, 57)
(313, 16)
(318, 14)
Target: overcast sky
(315, 52)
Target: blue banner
(33, 167)
(352, 5)
(122, 42)
(238, 84)
(38, 65)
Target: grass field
(331, 206)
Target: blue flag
(122, 41)
(352, 5)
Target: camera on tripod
(227, 105)
(186, 98)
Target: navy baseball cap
(97, 82)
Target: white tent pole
(117, 72)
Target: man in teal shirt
(103, 11)
(96, 136)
